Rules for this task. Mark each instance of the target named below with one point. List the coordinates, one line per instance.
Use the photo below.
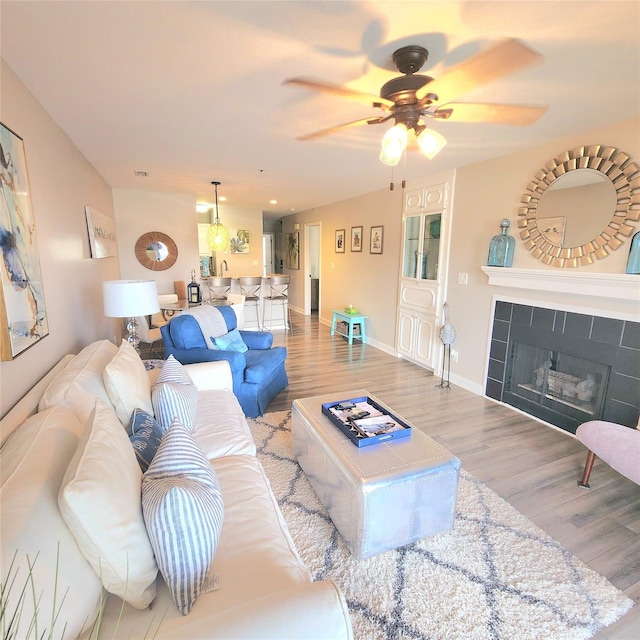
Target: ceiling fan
(412, 99)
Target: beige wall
(484, 194)
(243, 264)
(139, 212)
(487, 192)
(367, 281)
(62, 182)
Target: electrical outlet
(454, 355)
(463, 278)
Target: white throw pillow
(78, 385)
(127, 383)
(183, 512)
(33, 462)
(100, 502)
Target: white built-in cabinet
(426, 229)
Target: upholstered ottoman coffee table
(381, 496)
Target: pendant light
(218, 234)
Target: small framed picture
(356, 238)
(340, 240)
(376, 239)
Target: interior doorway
(268, 254)
(312, 253)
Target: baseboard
(468, 385)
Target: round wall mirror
(156, 251)
(581, 206)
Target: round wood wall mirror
(156, 251)
(581, 206)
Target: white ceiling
(191, 91)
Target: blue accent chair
(258, 373)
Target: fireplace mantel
(621, 286)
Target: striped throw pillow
(173, 371)
(172, 401)
(174, 395)
(183, 512)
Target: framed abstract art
(292, 255)
(23, 315)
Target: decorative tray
(365, 422)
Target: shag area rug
(494, 576)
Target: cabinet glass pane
(411, 246)
(431, 247)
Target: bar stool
(250, 288)
(218, 288)
(279, 294)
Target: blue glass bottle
(502, 247)
(633, 263)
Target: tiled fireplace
(565, 368)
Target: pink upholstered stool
(615, 444)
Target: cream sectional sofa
(62, 450)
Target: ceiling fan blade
(515, 114)
(326, 87)
(346, 125)
(495, 62)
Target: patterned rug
(494, 576)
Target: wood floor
(531, 465)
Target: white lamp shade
(129, 298)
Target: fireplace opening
(555, 386)
(565, 368)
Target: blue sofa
(258, 373)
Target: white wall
(62, 182)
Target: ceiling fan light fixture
(390, 159)
(218, 235)
(395, 138)
(430, 142)
(394, 143)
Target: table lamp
(130, 298)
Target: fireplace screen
(555, 382)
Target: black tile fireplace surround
(565, 368)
